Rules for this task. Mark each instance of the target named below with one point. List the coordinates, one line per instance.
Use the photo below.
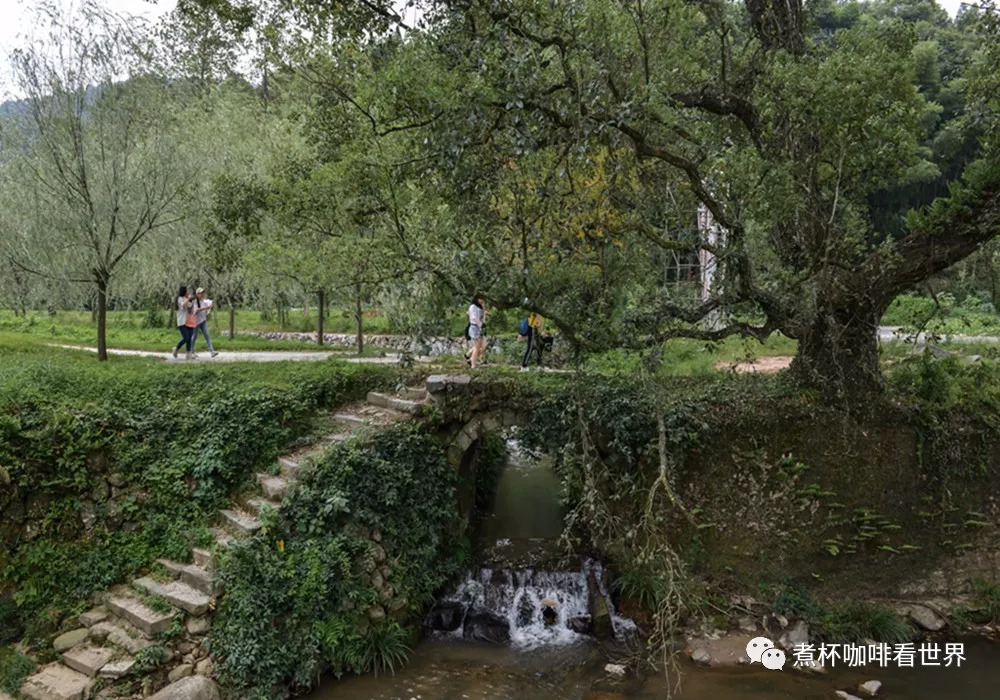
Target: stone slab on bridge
(440, 383)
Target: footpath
(244, 356)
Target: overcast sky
(15, 21)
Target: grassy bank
(107, 466)
(128, 330)
(764, 489)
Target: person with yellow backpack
(531, 330)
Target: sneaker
(189, 356)
(214, 353)
(175, 353)
(524, 369)
(194, 355)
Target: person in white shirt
(477, 315)
(202, 308)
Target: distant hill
(13, 108)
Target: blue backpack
(523, 328)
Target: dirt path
(764, 365)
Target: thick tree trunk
(320, 313)
(838, 356)
(359, 317)
(102, 318)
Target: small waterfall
(528, 608)
(513, 598)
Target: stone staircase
(180, 596)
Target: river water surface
(449, 670)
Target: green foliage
(491, 461)
(971, 315)
(14, 669)
(853, 622)
(297, 599)
(150, 657)
(352, 648)
(133, 330)
(858, 621)
(643, 584)
(174, 441)
(985, 606)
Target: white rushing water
(522, 597)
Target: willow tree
(96, 150)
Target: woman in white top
(477, 314)
(202, 307)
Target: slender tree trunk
(838, 356)
(994, 287)
(102, 317)
(359, 317)
(320, 306)
(232, 319)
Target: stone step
(202, 557)
(88, 659)
(121, 634)
(201, 578)
(92, 617)
(337, 438)
(414, 393)
(289, 467)
(177, 593)
(239, 523)
(119, 668)
(257, 505)
(350, 420)
(394, 403)
(274, 487)
(57, 682)
(150, 622)
(222, 536)
(377, 415)
(193, 575)
(68, 640)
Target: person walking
(533, 337)
(477, 317)
(202, 308)
(185, 321)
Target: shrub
(14, 669)
(858, 621)
(176, 441)
(853, 622)
(298, 599)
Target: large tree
(781, 134)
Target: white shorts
(473, 332)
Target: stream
(451, 670)
(515, 628)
